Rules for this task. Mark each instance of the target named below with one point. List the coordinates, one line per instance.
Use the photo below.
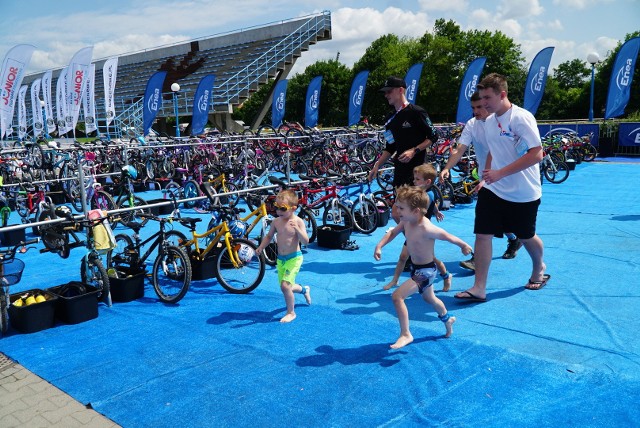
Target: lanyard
(395, 114)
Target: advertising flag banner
(152, 100)
(278, 103)
(76, 82)
(201, 102)
(89, 101)
(61, 102)
(356, 97)
(468, 87)
(621, 77)
(14, 65)
(312, 106)
(36, 108)
(413, 79)
(22, 112)
(536, 80)
(48, 102)
(109, 74)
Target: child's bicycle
(10, 274)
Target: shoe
(468, 264)
(512, 248)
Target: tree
(571, 74)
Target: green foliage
(571, 74)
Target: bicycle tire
(268, 138)
(385, 178)
(338, 215)
(447, 191)
(171, 285)
(118, 255)
(365, 216)
(310, 223)
(103, 201)
(20, 202)
(93, 273)
(4, 311)
(191, 190)
(589, 152)
(128, 216)
(245, 278)
(560, 174)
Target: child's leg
(429, 296)
(402, 261)
(287, 271)
(290, 300)
(444, 274)
(406, 289)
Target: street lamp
(44, 120)
(593, 58)
(175, 88)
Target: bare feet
(390, 285)
(447, 283)
(449, 326)
(288, 318)
(307, 293)
(402, 341)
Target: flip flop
(537, 285)
(469, 297)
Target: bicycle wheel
(448, 193)
(21, 202)
(268, 138)
(557, 174)
(248, 275)
(171, 274)
(337, 214)
(102, 201)
(365, 216)
(93, 273)
(589, 152)
(310, 223)
(119, 256)
(128, 216)
(385, 178)
(191, 190)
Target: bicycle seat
(136, 226)
(190, 222)
(277, 181)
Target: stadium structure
(241, 61)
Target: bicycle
(125, 197)
(10, 274)
(552, 169)
(171, 272)
(365, 209)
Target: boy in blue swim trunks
(291, 233)
(421, 234)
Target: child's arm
(443, 235)
(267, 238)
(388, 237)
(437, 213)
(301, 231)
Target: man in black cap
(408, 132)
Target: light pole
(593, 59)
(175, 88)
(44, 120)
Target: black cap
(393, 82)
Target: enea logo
(280, 102)
(635, 138)
(313, 100)
(203, 102)
(411, 91)
(152, 103)
(538, 80)
(623, 77)
(471, 87)
(357, 96)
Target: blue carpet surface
(567, 355)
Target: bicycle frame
(221, 233)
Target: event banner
(413, 79)
(278, 103)
(621, 77)
(36, 108)
(579, 128)
(312, 106)
(629, 134)
(201, 102)
(467, 88)
(89, 101)
(76, 82)
(14, 65)
(356, 97)
(48, 102)
(109, 74)
(152, 100)
(536, 80)
(22, 112)
(61, 103)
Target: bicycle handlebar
(10, 252)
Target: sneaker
(468, 264)
(512, 249)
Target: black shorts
(495, 216)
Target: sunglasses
(281, 207)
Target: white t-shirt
(508, 138)
(473, 133)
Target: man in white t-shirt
(511, 195)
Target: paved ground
(27, 400)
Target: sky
(115, 27)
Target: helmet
(215, 219)
(237, 228)
(246, 253)
(62, 211)
(130, 171)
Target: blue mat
(567, 355)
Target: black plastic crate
(333, 235)
(77, 302)
(383, 217)
(12, 238)
(128, 285)
(161, 209)
(35, 317)
(203, 269)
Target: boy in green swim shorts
(291, 233)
